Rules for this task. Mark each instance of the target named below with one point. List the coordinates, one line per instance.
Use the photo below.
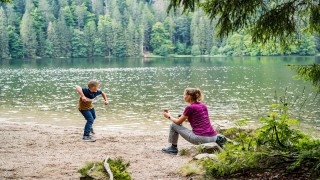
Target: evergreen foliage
(51, 28)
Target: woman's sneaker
(170, 150)
(88, 139)
(221, 140)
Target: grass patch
(190, 170)
(184, 152)
(119, 169)
(200, 149)
(84, 170)
(117, 166)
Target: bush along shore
(275, 150)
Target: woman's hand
(166, 114)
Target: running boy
(86, 108)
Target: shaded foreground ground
(30, 151)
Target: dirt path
(30, 151)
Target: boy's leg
(89, 117)
(93, 112)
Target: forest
(123, 28)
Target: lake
(43, 90)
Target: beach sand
(37, 151)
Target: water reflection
(42, 90)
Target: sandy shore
(31, 151)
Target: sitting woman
(197, 115)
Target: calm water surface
(42, 90)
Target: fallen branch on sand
(107, 167)
(91, 170)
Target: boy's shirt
(90, 95)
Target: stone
(192, 151)
(223, 125)
(210, 148)
(205, 156)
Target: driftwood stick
(107, 167)
(92, 169)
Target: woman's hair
(93, 83)
(195, 94)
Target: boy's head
(93, 86)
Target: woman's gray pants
(188, 135)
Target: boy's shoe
(91, 131)
(170, 150)
(88, 139)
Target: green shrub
(195, 50)
(214, 50)
(181, 48)
(274, 145)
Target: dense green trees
(161, 42)
(28, 36)
(4, 37)
(78, 44)
(119, 48)
(73, 28)
(15, 43)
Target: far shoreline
(152, 56)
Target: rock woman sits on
(197, 115)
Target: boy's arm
(79, 91)
(106, 102)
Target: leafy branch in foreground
(274, 147)
(266, 20)
(6, 1)
(308, 73)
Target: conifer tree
(4, 38)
